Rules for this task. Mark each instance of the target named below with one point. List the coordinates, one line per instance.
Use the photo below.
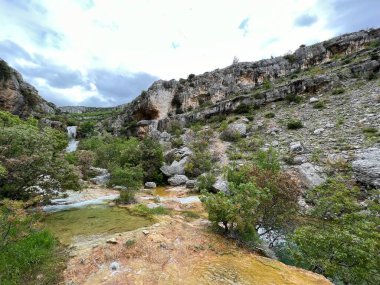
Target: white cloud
(167, 39)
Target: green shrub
(176, 142)
(269, 115)
(319, 105)
(259, 96)
(127, 196)
(206, 181)
(267, 84)
(337, 91)
(293, 98)
(242, 109)
(291, 58)
(175, 128)
(127, 176)
(294, 124)
(339, 238)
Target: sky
(105, 52)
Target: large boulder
(102, 176)
(311, 175)
(366, 167)
(176, 168)
(234, 131)
(220, 185)
(150, 185)
(177, 180)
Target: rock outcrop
(367, 167)
(250, 83)
(19, 97)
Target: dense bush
(205, 182)
(293, 98)
(261, 199)
(32, 159)
(294, 124)
(340, 237)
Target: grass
(143, 210)
(371, 132)
(294, 124)
(34, 259)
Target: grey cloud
(305, 20)
(57, 76)
(119, 88)
(353, 15)
(114, 88)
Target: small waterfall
(72, 134)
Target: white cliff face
(73, 144)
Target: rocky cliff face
(19, 97)
(310, 69)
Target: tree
(340, 238)
(32, 160)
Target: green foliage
(176, 142)
(339, 239)
(86, 129)
(291, 58)
(128, 176)
(127, 159)
(267, 160)
(143, 210)
(151, 160)
(175, 128)
(294, 98)
(259, 197)
(32, 157)
(201, 159)
(294, 124)
(267, 84)
(319, 105)
(338, 90)
(25, 250)
(371, 132)
(243, 109)
(206, 181)
(269, 115)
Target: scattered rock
(313, 100)
(114, 266)
(102, 177)
(330, 125)
(145, 232)
(120, 188)
(299, 159)
(111, 241)
(296, 147)
(177, 180)
(366, 167)
(318, 131)
(190, 184)
(220, 185)
(150, 185)
(176, 168)
(311, 175)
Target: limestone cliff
(309, 69)
(19, 97)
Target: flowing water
(73, 143)
(92, 220)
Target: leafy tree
(260, 200)
(340, 239)
(151, 160)
(32, 159)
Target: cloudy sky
(105, 52)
